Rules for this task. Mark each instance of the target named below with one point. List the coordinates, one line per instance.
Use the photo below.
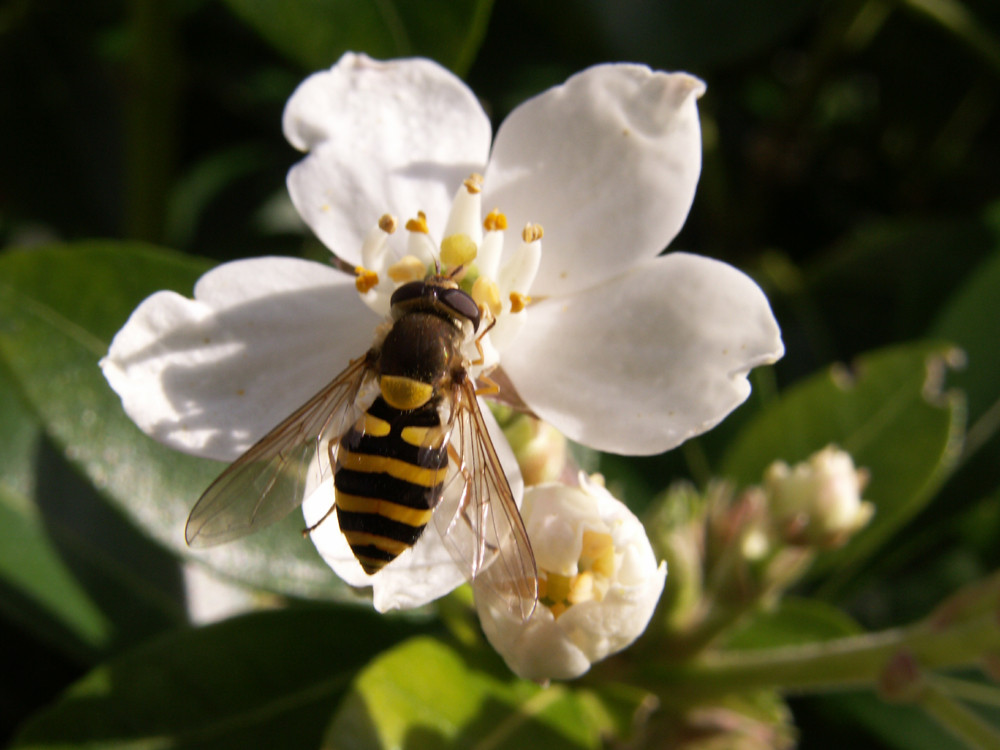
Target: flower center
(595, 568)
(470, 252)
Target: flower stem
(957, 718)
(853, 661)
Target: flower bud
(818, 501)
(599, 583)
(539, 447)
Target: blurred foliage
(852, 149)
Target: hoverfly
(402, 430)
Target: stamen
(518, 274)
(518, 301)
(598, 553)
(495, 221)
(409, 268)
(373, 249)
(581, 588)
(466, 212)
(366, 280)
(490, 250)
(532, 232)
(474, 183)
(458, 250)
(418, 224)
(387, 223)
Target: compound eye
(409, 291)
(461, 304)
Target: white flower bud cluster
(818, 501)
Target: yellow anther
(387, 223)
(598, 553)
(557, 588)
(495, 221)
(366, 280)
(474, 183)
(458, 250)
(532, 232)
(486, 293)
(557, 609)
(418, 224)
(518, 301)
(409, 268)
(581, 588)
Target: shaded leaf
(53, 332)
(268, 679)
(314, 33)
(689, 35)
(71, 572)
(970, 320)
(898, 726)
(423, 694)
(889, 413)
(793, 622)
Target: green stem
(957, 718)
(854, 661)
(971, 692)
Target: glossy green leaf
(314, 33)
(53, 331)
(888, 412)
(424, 694)
(268, 679)
(71, 573)
(793, 622)
(970, 320)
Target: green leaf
(688, 35)
(314, 33)
(901, 727)
(71, 573)
(268, 679)
(59, 307)
(423, 694)
(889, 413)
(970, 320)
(793, 622)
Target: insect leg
(330, 446)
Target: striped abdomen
(390, 470)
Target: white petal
(536, 650)
(211, 375)
(641, 363)
(607, 163)
(385, 137)
(600, 629)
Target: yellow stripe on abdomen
(386, 508)
(362, 539)
(394, 467)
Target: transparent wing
(478, 518)
(268, 481)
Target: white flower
(819, 500)
(599, 583)
(619, 348)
